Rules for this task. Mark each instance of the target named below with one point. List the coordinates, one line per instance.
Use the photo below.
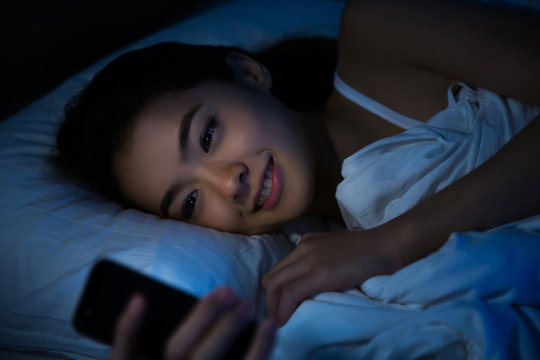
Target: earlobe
(248, 70)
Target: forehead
(143, 168)
(161, 106)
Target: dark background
(42, 43)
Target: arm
(406, 53)
(480, 44)
(502, 190)
(405, 56)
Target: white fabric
(475, 298)
(51, 233)
(373, 106)
(390, 176)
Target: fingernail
(244, 308)
(225, 296)
(269, 326)
(136, 304)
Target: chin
(263, 230)
(267, 229)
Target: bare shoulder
(405, 53)
(370, 61)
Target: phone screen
(107, 292)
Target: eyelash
(188, 206)
(208, 134)
(206, 140)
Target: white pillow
(51, 233)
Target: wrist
(415, 239)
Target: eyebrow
(185, 128)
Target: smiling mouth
(266, 185)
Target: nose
(229, 179)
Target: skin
(381, 56)
(205, 334)
(228, 171)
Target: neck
(327, 167)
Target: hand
(325, 262)
(207, 332)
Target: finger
(279, 281)
(261, 347)
(294, 256)
(127, 329)
(279, 266)
(272, 303)
(201, 318)
(299, 290)
(222, 335)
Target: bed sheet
(476, 298)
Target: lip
(275, 191)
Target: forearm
(504, 189)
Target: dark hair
(98, 121)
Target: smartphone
(109, 288)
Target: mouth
(268, 193)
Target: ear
(248, 70)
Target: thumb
(127, 329)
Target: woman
(220, 151)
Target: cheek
(257, 122)
(221, 216)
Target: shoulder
(372, 57)
(419, 46)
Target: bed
(51, 233)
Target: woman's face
(219, 155)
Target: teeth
(267, 186)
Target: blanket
(477, 297)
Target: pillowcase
(51, 233)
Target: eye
(188, 206)
(208, 133)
